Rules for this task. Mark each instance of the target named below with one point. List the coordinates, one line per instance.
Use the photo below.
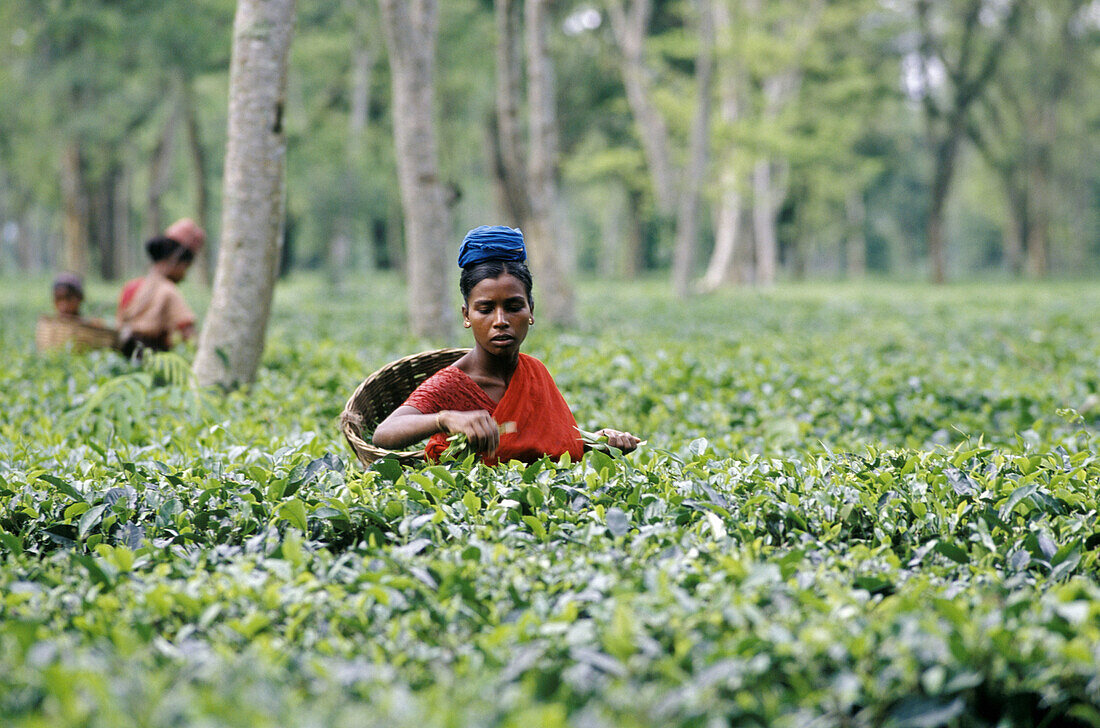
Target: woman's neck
(496, 367)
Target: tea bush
(858, 507)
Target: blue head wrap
(492, 242)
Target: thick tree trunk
(723, 259)
(1036, 240)
(200, 269)
(509, 142)
(722, 266)
(687, 216)
(549, 248)
(74, 254)
(232, 338)
(763, 227)
(410, 32)
(630, 26)
(1040, 197)
(1016, 229)
(855, 243)
(632, 259)
(945, 158)
(969, 73)
(105, 211)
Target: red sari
(544, 424)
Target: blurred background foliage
(114, 116)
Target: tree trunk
(122, 248)
(410, 31)
(549, 251)
(722, 266)
(74, 255)
(160, 169)
(723, 259)
(1039, 197)
(200, 269)
(969, 73)
(687, 216)
(345, 229)
(632, 255)
(509, 143)
(945, 158)
(630, 26)
(855, 244)
(1016, 230)
(108, 206)
(26, 254)
(763, 223)
(362, 68)
(1036, 239)
(232, 338)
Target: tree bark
(632, 259)
(232, 338)
(630, 26)
(160, 168)
(969, 77)
(200, 269)
(362, 68)
(1038, 222)
(109, 217)
(723, 259)
(945, 159)
(687, 216)
(855, 244)
(722, 266)
(1040, 197)
(122, 248)
(763, 219)
(509, 138)
(74, 255)
(549, 251)
(410, 32)
(345, 228)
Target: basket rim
(367, 453)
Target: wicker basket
(53, 333)
(383, 392)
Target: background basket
(54, 333)
(383, 392)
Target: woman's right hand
(479, 427)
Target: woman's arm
(407, 425)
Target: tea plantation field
(871, 506)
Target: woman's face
(176, 270)
(498, 312)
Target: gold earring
(531, 321)
(466, 324)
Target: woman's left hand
(624, 441)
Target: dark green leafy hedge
(851, 513)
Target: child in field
(68, 329)
(151, 311)
(68, 295)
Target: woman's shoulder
(534, 366)
(531, 361)
(448, 388)
(448, 375)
